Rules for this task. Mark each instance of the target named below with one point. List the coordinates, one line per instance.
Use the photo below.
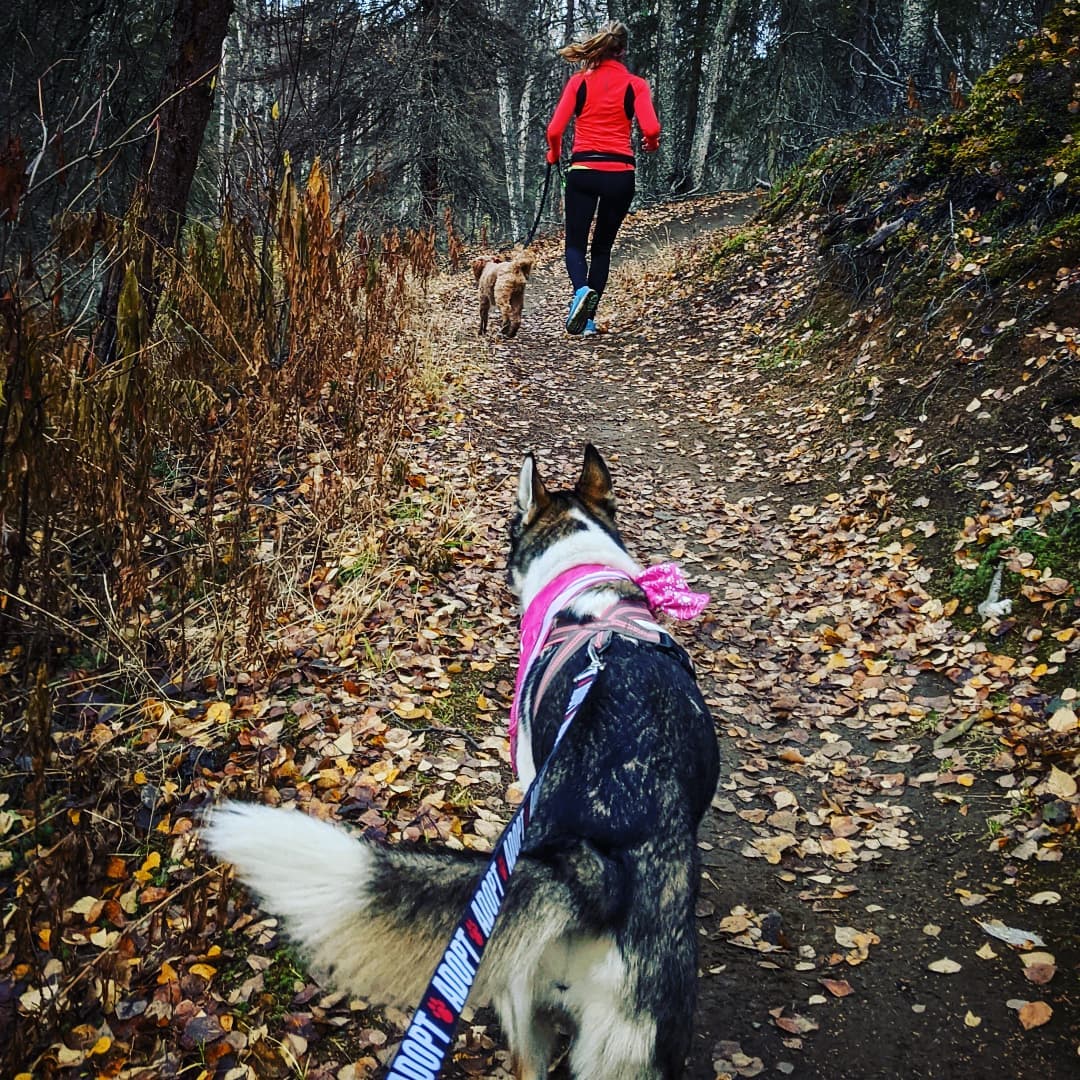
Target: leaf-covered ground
(888, 887)
(855, 847)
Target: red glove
(651, 144)
(552, 157)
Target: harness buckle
(594, 652)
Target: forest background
(212, 212)
(442, 104)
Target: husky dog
(502, 282)
(597, 932)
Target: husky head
(553, 531)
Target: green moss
(839, 168)
(458, 709)
(1054, 548)
(733, 244)
(284, 978)
(796, 349)
(1034, 250)
(995, 184)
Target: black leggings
(607, 196)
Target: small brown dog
(502, 282)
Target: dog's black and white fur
(597, 932)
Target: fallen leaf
(796, 1024)
(1060, 783)
(1035, 1014)
(734, 924)
(772, 847)
(1063, 720)
(1010, 935)
(1048, 897)
(945, 966)
(1039, 974)
(1037, 958)
(219, 712)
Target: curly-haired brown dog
(502, 282)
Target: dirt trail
(826, 856)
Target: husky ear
(532, 495)
(594, 484)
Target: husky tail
(375, 919)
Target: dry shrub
(160, 511)
(164, 516)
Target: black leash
(540, 211)
(430, 1035)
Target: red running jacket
(602, 127)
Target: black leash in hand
(430, 1035)
(540, 211)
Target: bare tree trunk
(916, 21)
(666, 95)
(513, 164)
(223, 97)
(698, 53)
(429, 126)
(862, 48)
(778, 116)
(706, 116)
(159, 208)
(524, 122)
(514, 123)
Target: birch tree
(514, 124)
(716, 61)
(515, 77)
(666, 94)
(916, 20)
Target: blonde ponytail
(608, 43)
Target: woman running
(603, 99)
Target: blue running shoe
(589, 329)
(582, 308)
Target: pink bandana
(665, 589)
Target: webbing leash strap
(430, 1033)
(540, 210)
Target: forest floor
(844, 858)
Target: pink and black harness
(430, 1034)
(665, 590)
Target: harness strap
(629, 618)
(540, 208)
(430, 1034)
